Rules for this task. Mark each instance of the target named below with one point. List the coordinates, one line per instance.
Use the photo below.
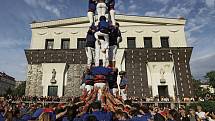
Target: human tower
(99, 81)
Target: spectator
(173, 115)
(201, 114)
(183, 114)
(192, 115)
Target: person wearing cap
(102, 45)
(91, 11)
(114, 39)
(110, 5)
(123, 85)
(90, 46)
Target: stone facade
(136, 64)
(74, 73)
(137, 60)
(6, 82)
(34, 80)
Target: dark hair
(175, 115)
(125, 115)
(96, 105)
(100, 63)
(128, 102)
(134, 113)
(71, 112)
(145, 109)
(91, 118)
(102, 18)
(117, 23)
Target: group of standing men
(103, 38)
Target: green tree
(210, 76)
(198, 90)
(8, 91)
(20, 90)
(207, 106)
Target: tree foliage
(20, 90)
(8, 91)
(198, 90)
(211, 78)
(207, 106)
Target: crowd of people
(86, 108)
(104, 98)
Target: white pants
(112, 17)
(106, 37)
(101, 9)
(123, 94)
(102, 46)
(82, 86)
(91, 18)
(112, 53)
(90, 52)
(100, 86)
(88, 88)
(114, 91)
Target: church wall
(34, 80)
(75, 72)
(174, 32)
(158, 71)
(47, 76)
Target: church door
(163, 91)
(52, 90)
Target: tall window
(49, 44)
(148, 42)
(81, 43)
(131, 42)
(65, 43)
(165, 42)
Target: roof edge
(119, 17)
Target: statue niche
(53, 80)
(162, 73)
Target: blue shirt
(103, 27)
(103, 116)
(99, 70)
(26, 117)
(92, 5)
(143, 118)
(100, 116)
(2, 117)
(37, 113)
(124, 81)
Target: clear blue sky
(15, 34)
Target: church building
(153, 52)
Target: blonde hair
(44, 117)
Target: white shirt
(201, 114)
